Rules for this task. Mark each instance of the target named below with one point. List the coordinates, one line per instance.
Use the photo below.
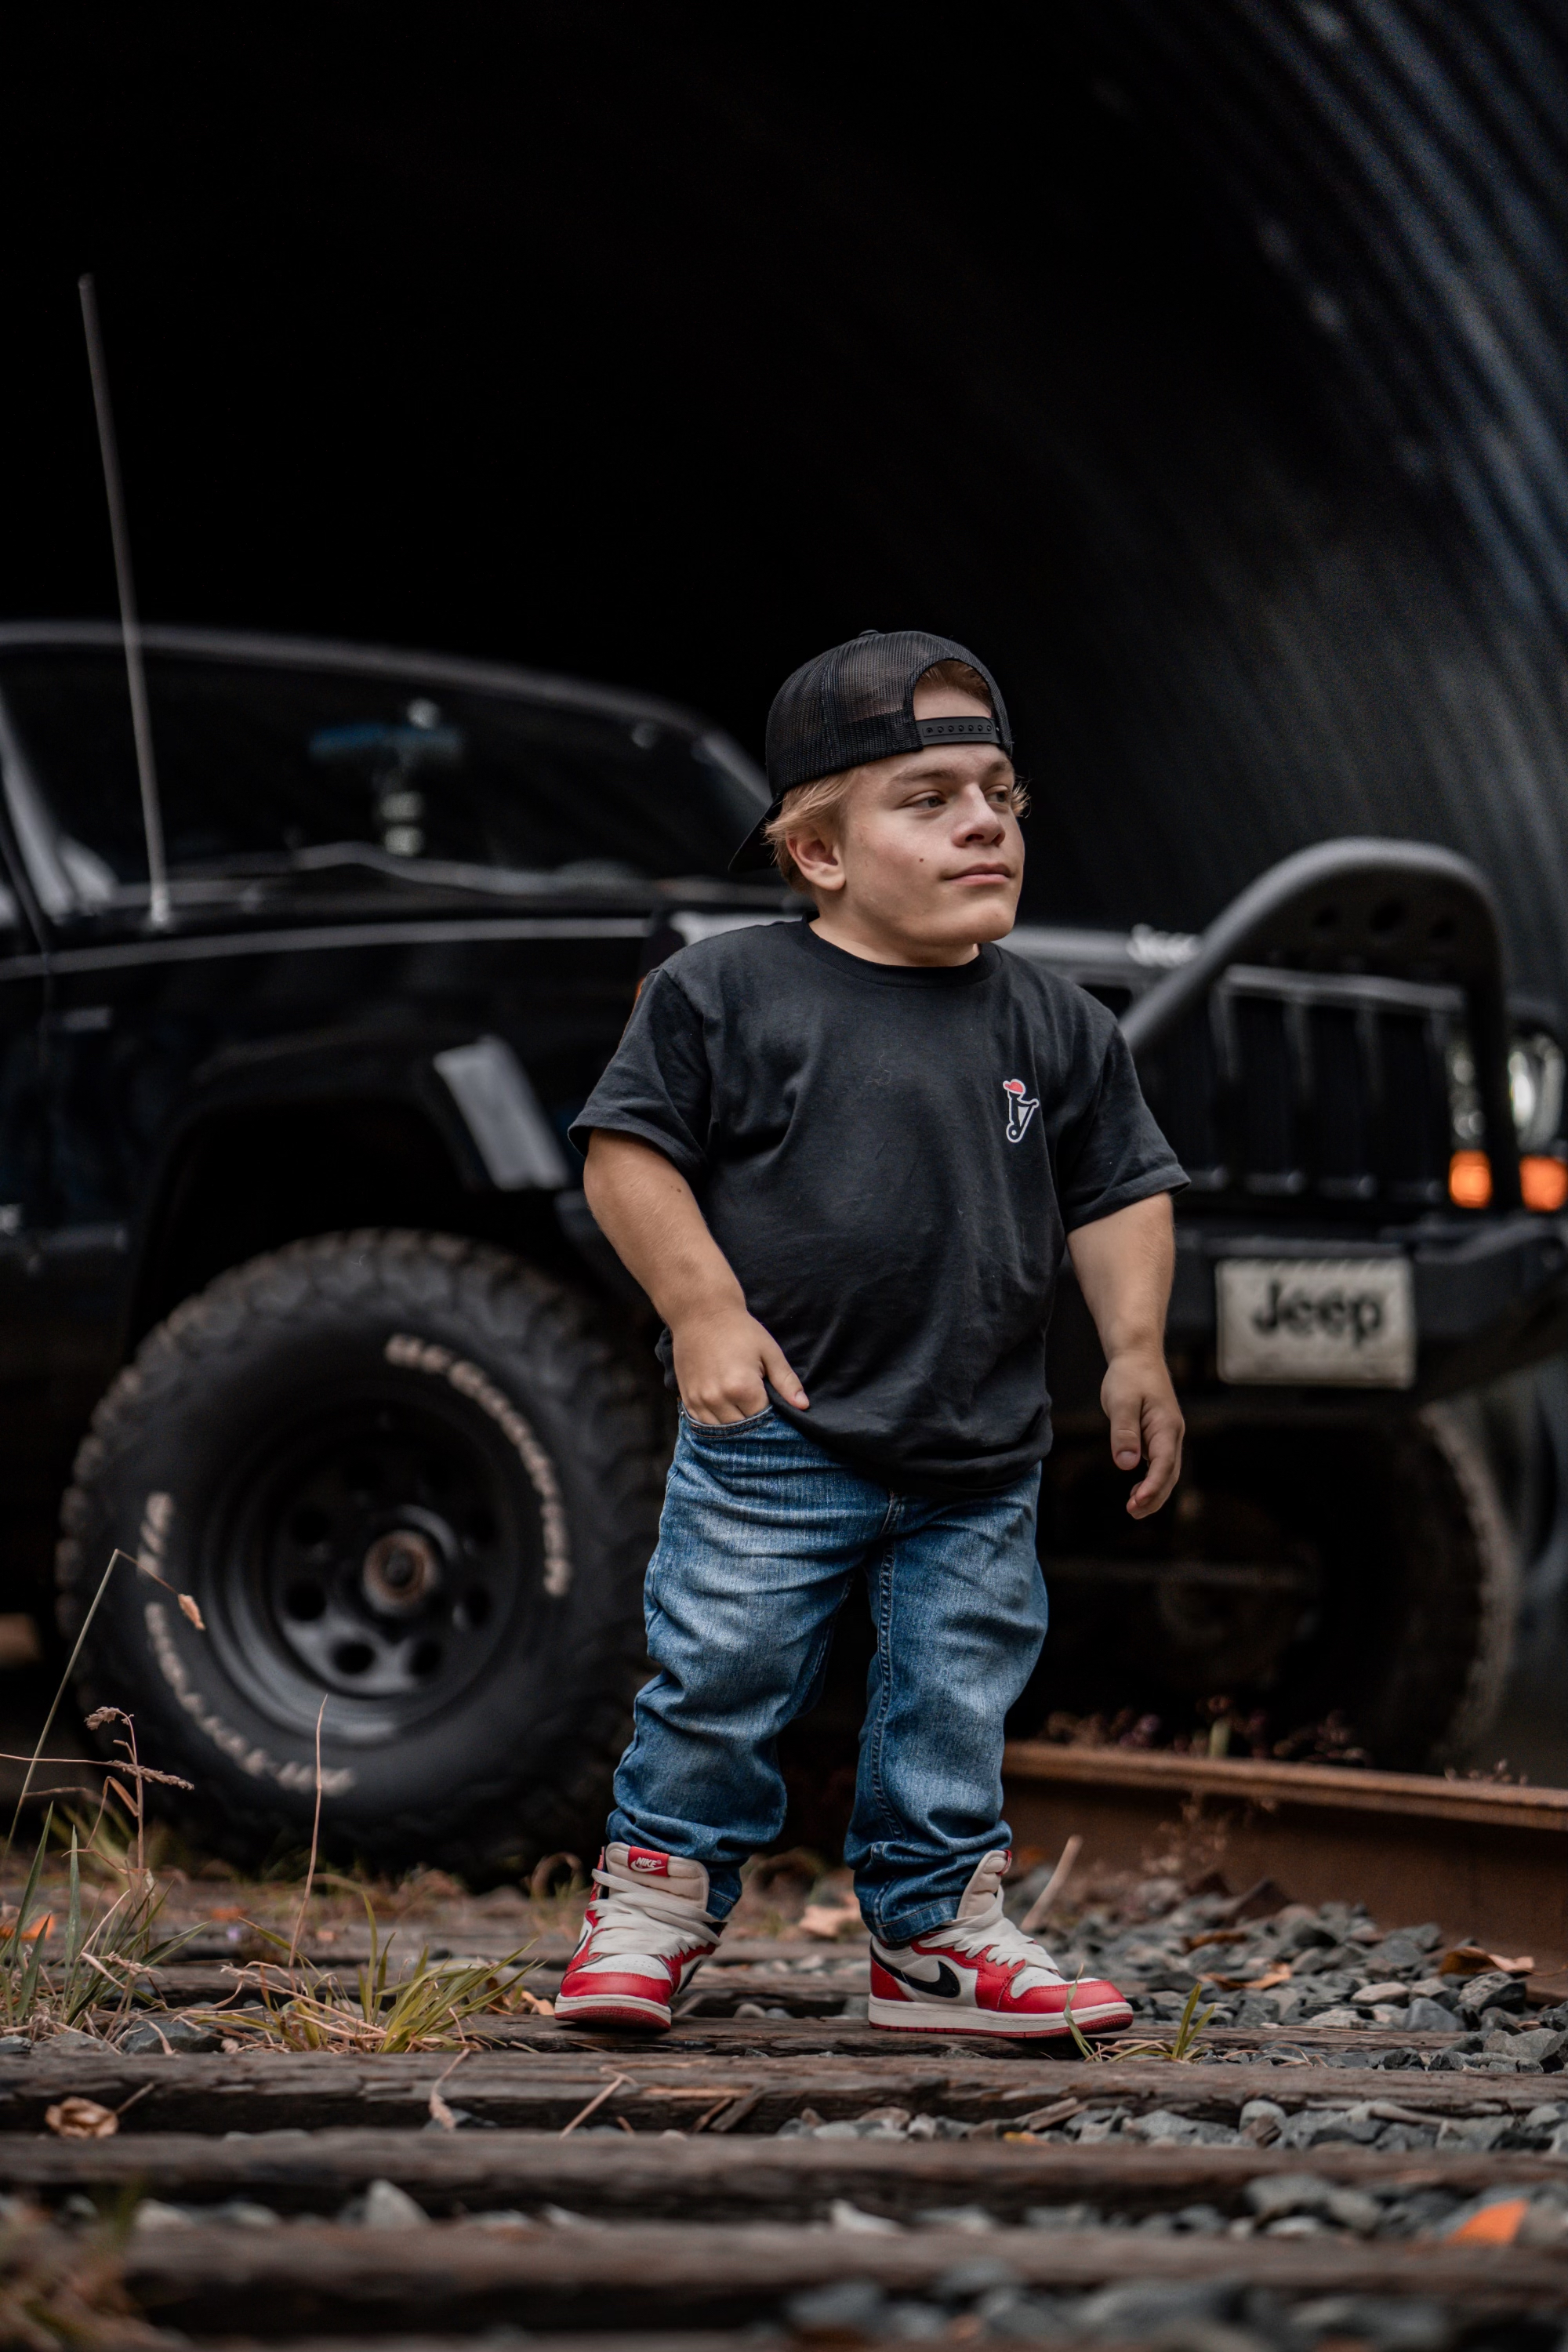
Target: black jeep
(303, 1310)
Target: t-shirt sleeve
(657, 1086)
(1113, 1153)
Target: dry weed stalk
(303, 2007)
(57, 2289)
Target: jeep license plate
(1349, 1322)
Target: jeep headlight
(1536, 1071)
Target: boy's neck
(858, 934)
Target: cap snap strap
(957, 731)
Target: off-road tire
(1407, 1642)
(495, 1356)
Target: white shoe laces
(996, 1937)
(643, 1922)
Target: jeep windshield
(300, 779)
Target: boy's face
(926, 856)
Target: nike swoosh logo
(943, 1986)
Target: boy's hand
(1146, 1424)
(722, 1355)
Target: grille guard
(1394, 908)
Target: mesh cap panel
(856, 703)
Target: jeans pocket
(753, 1420)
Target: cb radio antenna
(158, 908)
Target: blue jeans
(761, 1537)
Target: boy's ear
(817, 858)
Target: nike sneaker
(642, 1938)
(982, 1974)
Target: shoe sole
(613, 2009)
(927, 2017)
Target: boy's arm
(1124, 1264)
(648, 1213)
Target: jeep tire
(400, 1474)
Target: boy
(841, 1158)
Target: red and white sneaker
(642, 1939)
(982, 1974)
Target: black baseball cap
(857, 703)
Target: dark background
(1198, 360)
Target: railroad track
(775, 2165)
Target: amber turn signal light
(1543, 1182)
(1469, 1179)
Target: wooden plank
(816, 2026)
(1484, 1861)
(849, 2037)
(274, 2090)
(1409, 1796)
(649, 2177)
(663, 2274)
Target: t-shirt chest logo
(1021, 1108)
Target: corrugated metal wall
(1320, 533)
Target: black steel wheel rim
(372, 1547)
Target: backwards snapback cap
(857, 703)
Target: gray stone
(1010, 2312)
(846, 2308)
(243, 2213)
(974, 2218)
(1198, 2220)
(1260, 2121)
(1492, 1991)
(908, 2322)
(1061, 2217)
(147, 2040)
(153, 2213)
(385, 2206)
(1398, 1954)
(1287, 2192)
(1401, 2139)
(1352, 2209)
(1306, 1935)
(1313, 2130)
(1481, 2133)
(15, 2045)
(1542, 2044)
(1426, 2016)
(844, 2214)
(1391, 2322)
(1144, 2307)
(964, 2281)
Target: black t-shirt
(891, 1157)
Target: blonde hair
(820, 801)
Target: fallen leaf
(1215, 1936)
(82, 2119)
(1272, 1976)
(440, 2112)
(1469, 1961)
(188, 1608)
(1494, 2225)
(41, 1926)
(227, 1911)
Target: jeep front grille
(1312, 1087)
